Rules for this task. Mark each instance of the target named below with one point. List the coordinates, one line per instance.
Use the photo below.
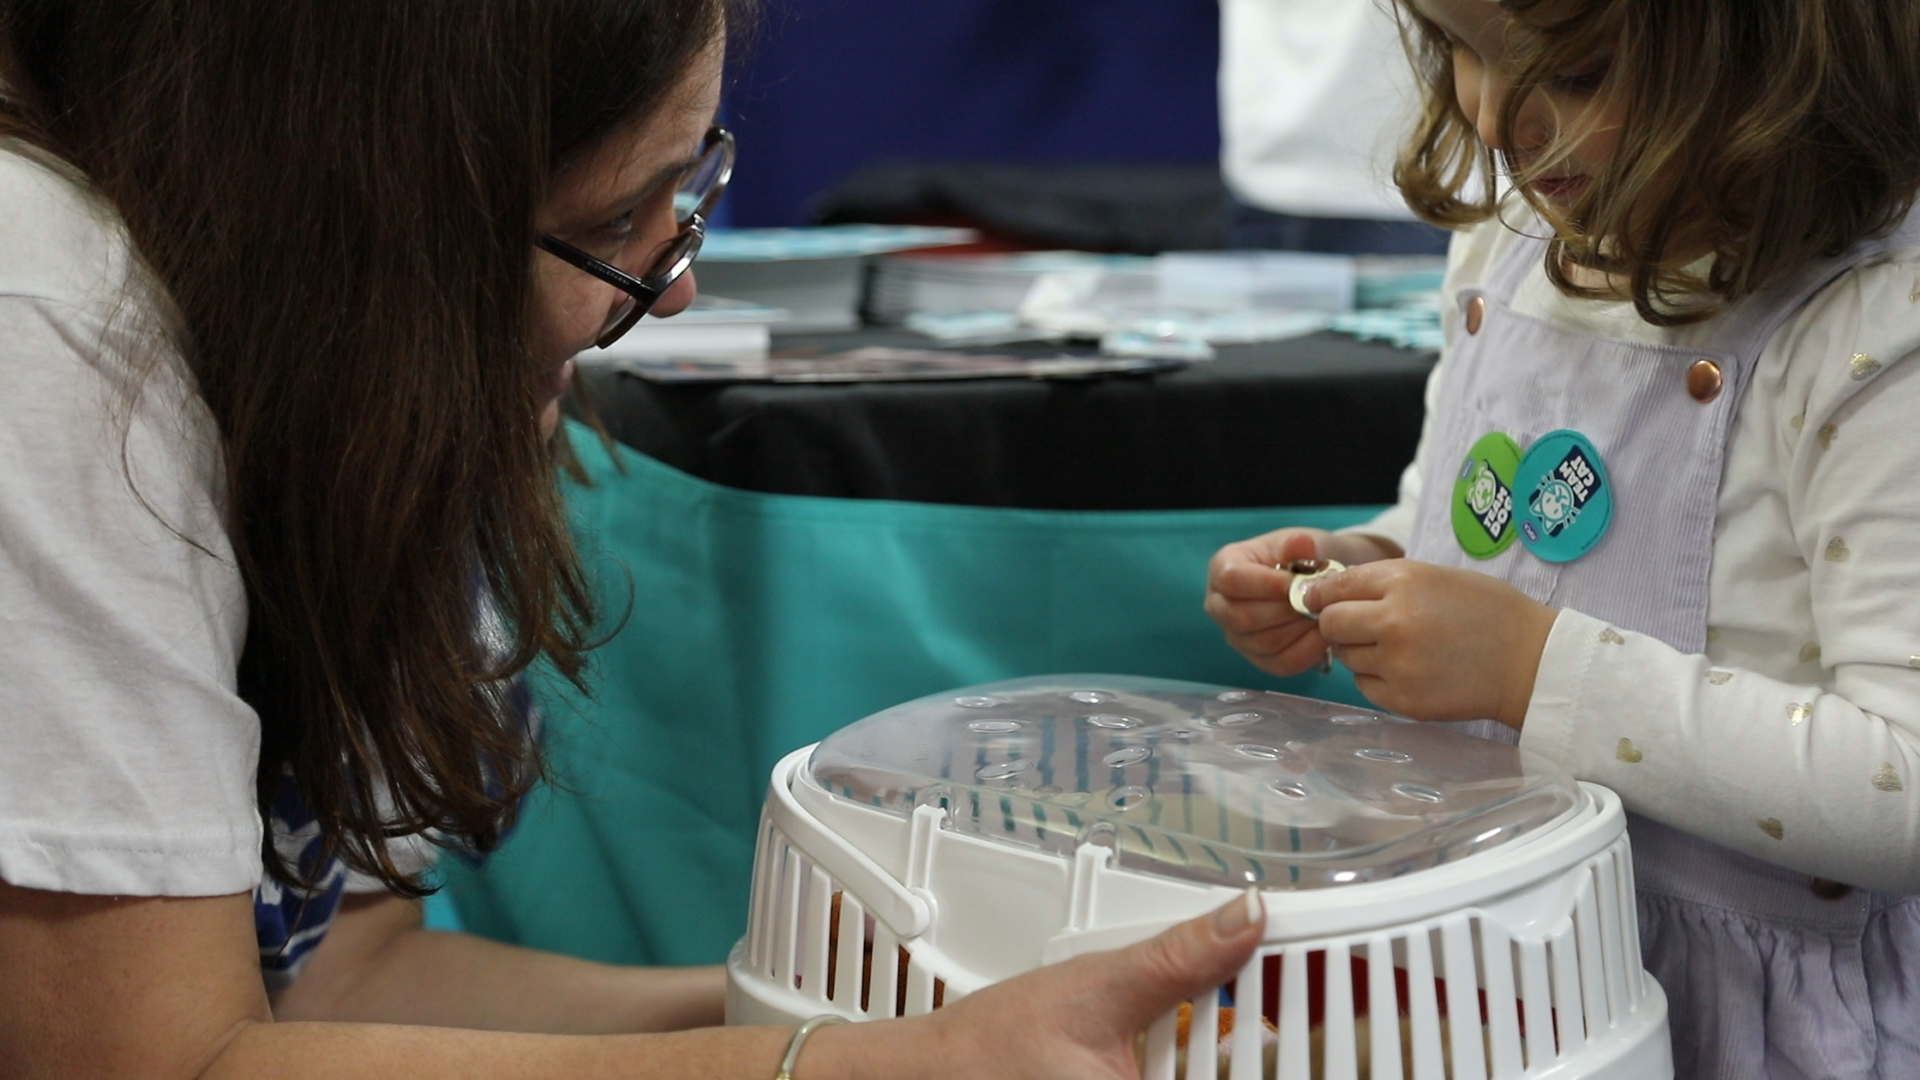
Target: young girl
(1662, 519)
(288, 292)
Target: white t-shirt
(1315, 96)
(129, 761)
(1803, 717)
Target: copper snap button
(1704, 381)
(1829, 890)
(1476, 313)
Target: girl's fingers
(1251, 616)
(1352, 622)
(1307, 651)
(1299, 545)
(1368, 581)
(1274, 640)
(1374, 689)
(1359, 659)
(1247, 569)
(1249, 580)
(1281, 655)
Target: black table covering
(1315, 421)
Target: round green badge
(1567, 497)
(1483, 496)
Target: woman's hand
(1077, 1020)
(1247, 595)
(1432, 642)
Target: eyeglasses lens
(664, 266)
(700, 189)
(671, 259)
(620, 321)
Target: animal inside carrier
(1438, 905)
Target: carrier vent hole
(903, 967)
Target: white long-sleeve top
(1796, 738)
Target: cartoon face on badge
(1555, 504)
(1482, 489)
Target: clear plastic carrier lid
(1202, 783)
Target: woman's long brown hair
(1765, 134)
(339, 196)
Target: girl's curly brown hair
(1763, 134)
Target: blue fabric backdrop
(835, 84)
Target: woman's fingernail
(1232, 920)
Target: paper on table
(825, 242)
(890, 365)
(711, 326)
(1255, 281)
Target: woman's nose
(677, 296)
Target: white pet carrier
(1472, 894)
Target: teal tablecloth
(759, 623)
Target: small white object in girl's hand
(1305, 572)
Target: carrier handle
(907, 912)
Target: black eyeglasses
(693, 200)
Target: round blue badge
(1569, 498)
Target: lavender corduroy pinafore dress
(1768, 975)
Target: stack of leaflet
(1406, 327)
(1398, 301)
(712, 327)
(1115, 286)
(1179, 304)
(1237, 281)
(904, 286)
(1396, 281)
(886, 364)
(816, 275)
(1174, 305)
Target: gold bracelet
(799, 1037)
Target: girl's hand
(1079, 1020)
(1247, 596)
(1434, 643)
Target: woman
(288, 293)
